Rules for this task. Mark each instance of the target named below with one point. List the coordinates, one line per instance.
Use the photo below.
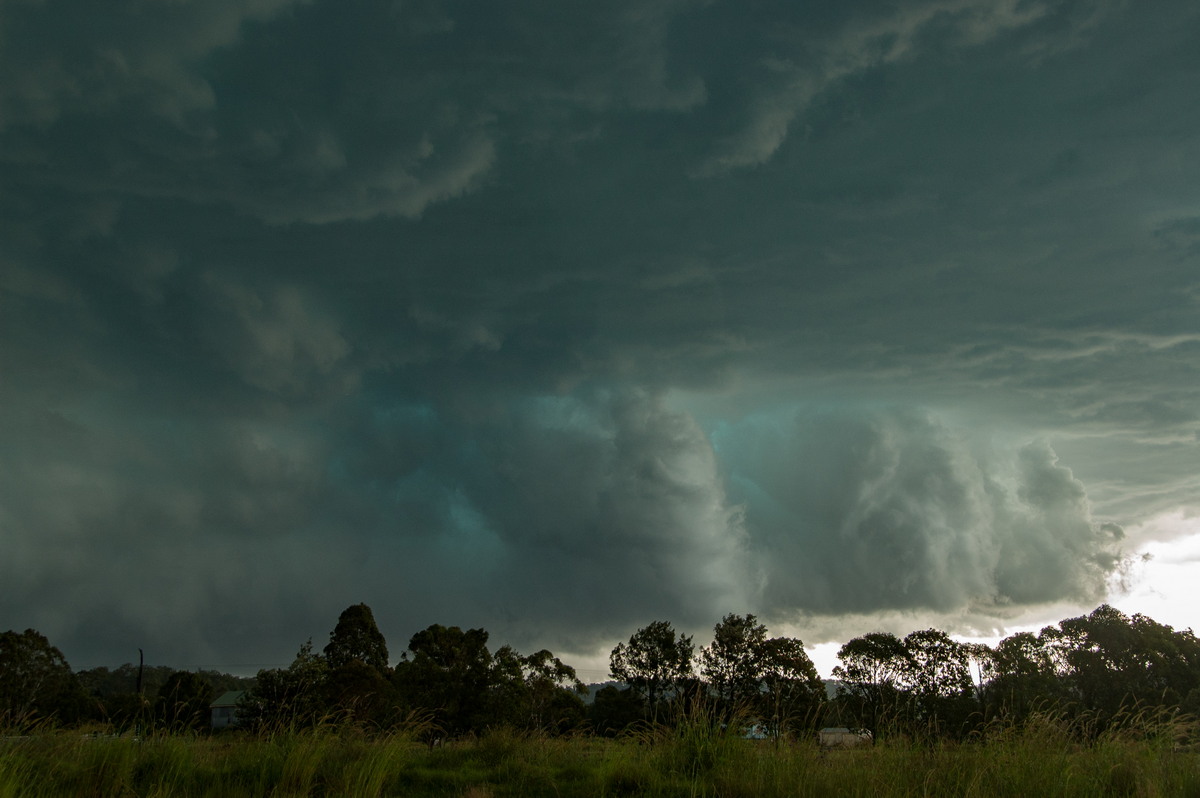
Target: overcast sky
(560, 318)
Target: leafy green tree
(1021, 654)
(555, 691)
(36, 682)
(870, 678)
(614, 710)
(357, 683)
(1020, 675)
(358, 692)
(732, 664)
(773, 678)
(448, 672)
(357, 637)
(537, 692)
(1112, 661)
(295, 697)
(792, 692)
(1191, 703)
(507, 696)
(1170, 662)
(937, 675)
(105, 682)
(183, 702)
(654, 662)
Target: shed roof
(227, 699)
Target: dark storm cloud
(557, 321)
(795, 69)
(67, 58)
(608, 502)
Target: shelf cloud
(560, 322)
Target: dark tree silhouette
(356, 637)
(732, 663)
(36, 682)
(792, 691)
(773, 678)
(447, 671)
(870, 677)
(183, 702)
(537, 692)
(1021, 675)
(294, 697)
(614, 710)
(1113, 661)
(654, 662)
(937, 676)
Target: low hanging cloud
(869, 510)
(552, 520)
(557, 521)
(563, 517)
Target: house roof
(228, 699)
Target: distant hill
(596, 687)
(104, 682)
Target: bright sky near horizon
(557, 319)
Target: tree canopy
(357, 637)
(773, 678)
(183, 702)
(655, 661)
(36, 682)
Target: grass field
(688, 760)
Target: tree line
(37, 685)
(1091, 670)
(447, 678)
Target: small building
(224, 709)
(842, 737)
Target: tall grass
(697, 756)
